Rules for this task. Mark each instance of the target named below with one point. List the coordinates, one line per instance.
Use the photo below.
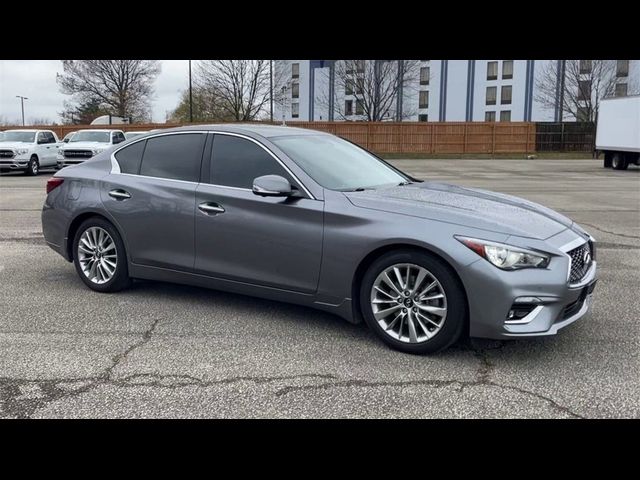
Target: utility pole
(271, 90)
(22, 99)
(190, 96)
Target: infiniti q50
(306, 217)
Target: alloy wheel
(97, 255)
(409, 303)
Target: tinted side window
(236, 162)
(174, 156)
(129, 157)
(50, 137)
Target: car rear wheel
(618, 162)
(99, 256)
(413, 302)
(33, 166)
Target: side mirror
(42, 141)
(272, 186)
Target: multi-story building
(450, 90)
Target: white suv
(28, 150)
(87, 143)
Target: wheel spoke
(422, 273)
(399, 277)
(413, 337)
(384, 313)
(378, 289)
(428, 288)
(390, 283)
(395, 320)
(432, 297)
(435, 324)
(422, 325)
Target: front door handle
(210, 208)
(119, 194)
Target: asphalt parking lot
(160, 350)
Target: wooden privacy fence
(398, 137)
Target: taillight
(53, 183)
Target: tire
(33, 167)
(607, 160)
(399, 335)
(99, 279)
(619, 162)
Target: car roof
(28, 130)
(267, 131)
(99, 130)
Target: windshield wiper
(359, 189)
(407, 182)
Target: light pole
(22, 99)
(271, 89)
(190, 96)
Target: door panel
(270, 241)
(157, 220)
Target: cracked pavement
(161, 350)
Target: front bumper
(554, 304)
(14, 164)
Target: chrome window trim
(115, 166)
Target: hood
(466, 206)
(12, 145)
(85, 145)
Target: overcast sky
(36, 79)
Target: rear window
(129, 157)
(177, 157)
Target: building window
(348, 87)
(507, 69)
(505, 116)
(505, 95)
(424, 76)
(295, 70)
(584, 90)
(359, 85)
(348, 107)
(360, 66)
(491, 95)
(359, 107)
(623, 68)
(582, 115)
(492, 71)
(295, 90)
(621, 90)
(423, 117)
(585, 66)
(489, 116)
(295, 110)
(424, 100)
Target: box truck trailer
(618, 131)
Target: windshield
(337, 164)
(25, 137)
(102, 137)
(130, 135)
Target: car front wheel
(99, 256)
(413, 302)
(33, 166)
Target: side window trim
(266, 149)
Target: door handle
(119, 194)
(210, 208)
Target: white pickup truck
(618, 131)
(28, 150)
(87, 143)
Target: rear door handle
(210, 208)
(119, 194)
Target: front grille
(7, 154)
(78, 154)
(581, 259)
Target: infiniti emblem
(586, 257)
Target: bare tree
(586, 83)
(374, 86)
(124, 87)
(241, 86)
(207, 107)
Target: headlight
(96, 151)
(506, 257)
(60, 153)
(22, 151)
